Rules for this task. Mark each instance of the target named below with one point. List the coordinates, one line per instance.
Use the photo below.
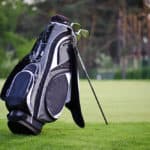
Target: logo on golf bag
(44, 81)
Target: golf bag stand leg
(91, 86)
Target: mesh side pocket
(56, 94)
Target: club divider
(91, 86)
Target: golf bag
(44, 81)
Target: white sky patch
(32, 1)
(3, 3)
(29, 1)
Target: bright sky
(31, 1)
(28, 1)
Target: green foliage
(118, 74)
(17, 48)
(105, 61)
(13, 40)
(12, 45)
(24, 49)
(9, 12)
(141, 73)
(92, 73)
(3, 22)
(9, 59)
(7, 62)
(20, 23)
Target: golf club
(92, 88)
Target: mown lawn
(126, 105)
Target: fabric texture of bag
(44, 81)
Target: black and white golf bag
(44, 81)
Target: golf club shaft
(88, 78)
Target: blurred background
(119, 42)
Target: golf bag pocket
(21, 85)
(56, 94)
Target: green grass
(60, 135)
(126, 105)
(122, 101)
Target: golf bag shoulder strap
(74, 104)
